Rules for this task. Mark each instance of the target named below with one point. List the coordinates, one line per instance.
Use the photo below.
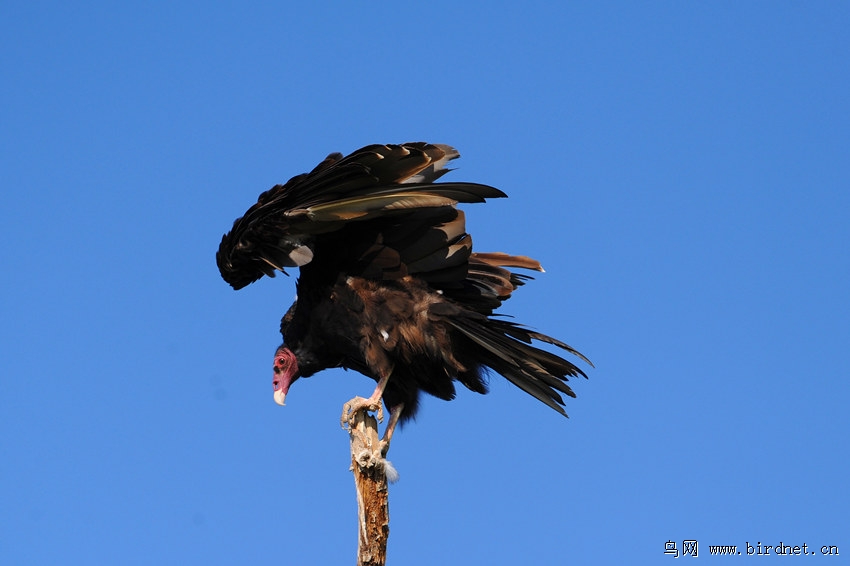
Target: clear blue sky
(681, 169)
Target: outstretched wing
(376, 213)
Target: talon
(343, 420)
(351, 408)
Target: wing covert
(380, 202)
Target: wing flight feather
(371, 195)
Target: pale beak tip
(279, 397)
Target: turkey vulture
(389, 285)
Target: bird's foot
(384, 447)
(350, 409)
(395, 413)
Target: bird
(389, 285)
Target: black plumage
(389, 285)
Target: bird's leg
(395, 413)
(373, 403)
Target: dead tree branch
(370, 479)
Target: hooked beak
(285, 372)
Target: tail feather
(526, 335)
(505, 347)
